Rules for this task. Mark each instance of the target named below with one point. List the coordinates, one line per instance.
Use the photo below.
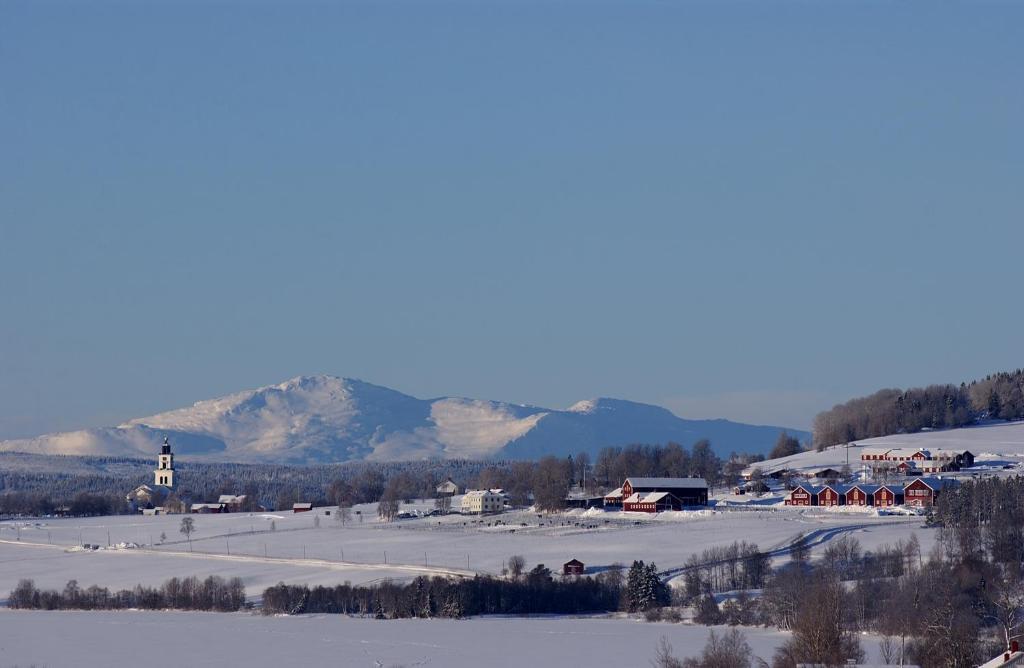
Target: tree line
(544, 483)
(214, 593)
(894, 411)
(536, 592)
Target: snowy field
(298, 551)
(994, 445)
(94, 639)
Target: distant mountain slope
(316, 419)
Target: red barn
(889, 495)
(687, 491)
(925, 492)
(803, 495)
(654, 502)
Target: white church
(164, 473)
(163, 480)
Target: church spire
(164, 473)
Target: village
(888, 478)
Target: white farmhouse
(447, 488)
(482, 501)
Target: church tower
(164, 473)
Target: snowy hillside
(327, 419)
(993, 444)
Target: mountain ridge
(323, 418)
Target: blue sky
(741, 209)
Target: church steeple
(164, 473)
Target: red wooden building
(832, 495)
(803, 495)
(889, 495)
(652, 502)
(687, 491)
(573, 567)
(861, 495)
(924, 492)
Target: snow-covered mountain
(316, 419)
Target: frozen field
(93, 639)
(297, 551)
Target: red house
(889, 495)
(832, 495)
(573, 567)
(803, 495)
(924, 492)
(861, 495)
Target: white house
(447, 488)
(482, 501)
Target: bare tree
(516, 565)
(551, 483)
(663, 656)
(387, 507)
(889, 650)
(188, 527)
(443, 504)
(1007, 607)
(343, 515)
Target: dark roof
(574, 562)
(934, 483)
(668, 483)
(867, 489)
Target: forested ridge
(999, 396)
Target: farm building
(918, 460)
(302, 507)
(651, 502)
(803, 495)
(613, 499)
(206, 508)
(573, 567)
(823, 474)
(861, 495)
(925, 492)
(583, 501)
(832, 495)
(687, 491)
(232, 502)
(889, 495)
(447, 488)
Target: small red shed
(573, 567)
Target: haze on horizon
(731, 209)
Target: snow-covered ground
(156, 639)
(994, 446)
(297, 551)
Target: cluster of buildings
(654, 495)
(920, 461)
(920, 492)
